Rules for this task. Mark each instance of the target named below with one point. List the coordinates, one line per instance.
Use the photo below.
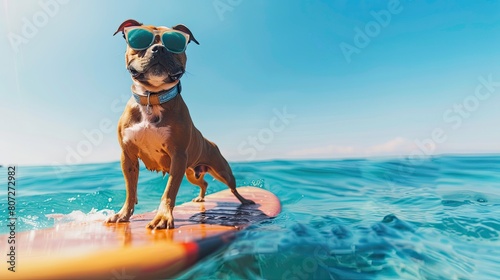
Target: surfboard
(95, 250)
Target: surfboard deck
(95, 250)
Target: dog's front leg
(164, 218)
(130, 169)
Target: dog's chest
(149, 137)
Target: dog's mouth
(156, 70)
(134, 73)
(177, 75)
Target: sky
(269, 80)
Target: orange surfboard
(95, 250)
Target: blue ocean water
(388, 218)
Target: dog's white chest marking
(146, 135)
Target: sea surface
(387, 218)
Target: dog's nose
(158, 49)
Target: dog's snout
(157, 49)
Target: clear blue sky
(361, 78)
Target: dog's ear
(127, 23)
(186, 30)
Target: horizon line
(289, 159)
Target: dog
(156, 126)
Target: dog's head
(155, 56)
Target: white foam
(30, 220)
(79, 216)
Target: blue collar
(157, 98)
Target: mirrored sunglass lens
(140, 38)
(174, 42)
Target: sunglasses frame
(155, 33)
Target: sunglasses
(140, 38)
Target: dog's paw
(161, 221)
(198, 199)
(118, 218)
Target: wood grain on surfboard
(94, 250)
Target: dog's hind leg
(195, 177)
(222, 172)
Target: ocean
(383, 218)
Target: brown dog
(156, 126)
